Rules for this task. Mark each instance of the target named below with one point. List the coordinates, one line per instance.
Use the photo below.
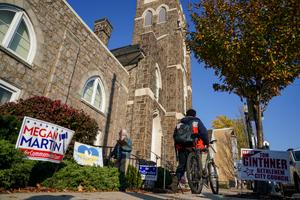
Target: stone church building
(47, 50)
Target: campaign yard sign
(88, 155)
(148, 173)
(41, 140)
(264, 165)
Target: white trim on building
(144, 92)
(93, 97)
(176, 114)
(12, 32)
(8, 88)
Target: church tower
(160, 85)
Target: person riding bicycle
(182, 149)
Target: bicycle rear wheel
(194, 173)
(213, 178)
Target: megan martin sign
(41, 140)
(264, 165)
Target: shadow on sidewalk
(224, 195)
(51, 197)
(250, 195)
(144, 196)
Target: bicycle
(211, 170)
(196, 175)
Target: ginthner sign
(264, 165)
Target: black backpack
(183, 134)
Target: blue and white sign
(148, 173)
(88, 155)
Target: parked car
(294, 185)
(296, 169)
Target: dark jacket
(202, 131)
(121, 152)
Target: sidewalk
(118, 196)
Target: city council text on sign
(264, 165)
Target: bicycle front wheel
(194, 173)
(213, 178)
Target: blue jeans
(182, 158)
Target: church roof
(129, 55)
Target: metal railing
(106, 152)
(136, 161)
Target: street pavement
(206, 194)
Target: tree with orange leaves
(253, 46)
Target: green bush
(14, 169)
(160, 178)
(43, 170)
(9, 131)
(9, 155)
(9, 128)
(133, 178)
(90, 178)
(17, 172)
(55, 112)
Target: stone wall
(68, 54)
(163, 44)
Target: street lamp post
(248, 125)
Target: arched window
(93, 93)
(148, 18)
(16, 32)
(158, 82)
(162, 15)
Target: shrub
(55, 112)
(14, 169)
(9, 155)
(133, 178)
(9, 131)
(43, 170)
(90, 178)
(9, 128)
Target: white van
(294, 185)
(296, 169)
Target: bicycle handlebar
(209, 146)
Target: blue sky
(281, 117)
